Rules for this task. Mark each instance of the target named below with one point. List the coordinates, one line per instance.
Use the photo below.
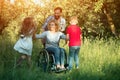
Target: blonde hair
(73, 18)
(56, 25)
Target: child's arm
(67, 40)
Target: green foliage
(98, 5)
(11, 30)
(99, 60)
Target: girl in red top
(74, 38)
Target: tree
(98, 18)
(108, 8)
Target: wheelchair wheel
(43, 60)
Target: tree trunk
(110, 20)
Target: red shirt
(74, 32)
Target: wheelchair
(46, 61)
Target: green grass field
(99, 60)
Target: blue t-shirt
(52, 39)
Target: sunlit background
(98, 17)
(37, 2)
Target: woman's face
(52, 26)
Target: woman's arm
(40, 36)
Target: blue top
(24, 44)
(52, 39)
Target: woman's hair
(28, 26)
(56, 25)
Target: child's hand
(66, 44)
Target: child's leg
(20, 60)
(71, 56)
(76, 56)
(29, 60)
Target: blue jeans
(73, 54)
(58, 54)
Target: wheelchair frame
(46, 61)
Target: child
(73, 34)
(24, 44)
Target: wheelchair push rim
(43, 60)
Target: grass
(99, 60)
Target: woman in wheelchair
(52, 39)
